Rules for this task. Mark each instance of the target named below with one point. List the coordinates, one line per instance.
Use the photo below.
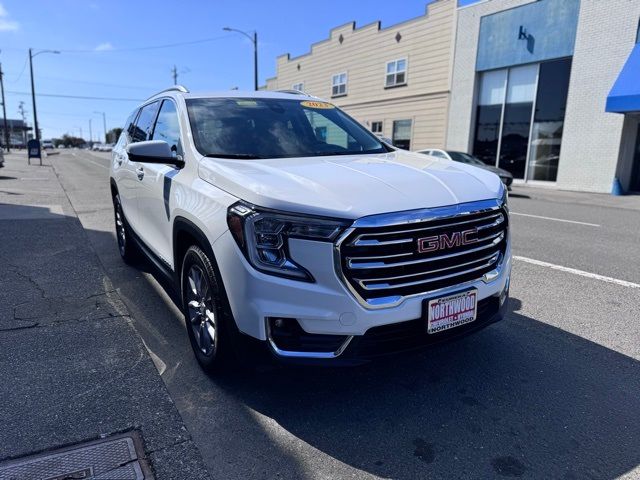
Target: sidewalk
(628, 202)
(73, 367)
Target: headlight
(263, 236)
(504, 200)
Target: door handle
(140, 173)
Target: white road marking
(96, 163)
(555, 219)
(575, 271)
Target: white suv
(285, 224)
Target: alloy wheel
(201, 310)
(121, 233)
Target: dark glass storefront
(520, 116)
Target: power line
(21, 72)
(80, 97)
(151, 47)
(87, 82)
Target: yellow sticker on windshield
(312, 104)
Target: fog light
(505, 293)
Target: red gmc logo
(447, 240)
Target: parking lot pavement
(550, 392)
(72, 367)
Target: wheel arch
(185, 234)
(114, 187)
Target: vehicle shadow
(520, 399)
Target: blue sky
(94, 35)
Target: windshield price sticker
(452, 311)
(312, 104)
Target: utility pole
(33, 99)
(174, 72)
(254, 40)
(33, 88)
(255, 60)
(104, 124)
(90, 133)
(23, 114)
(7, 140)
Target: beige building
(395, 80)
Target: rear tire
(126, 245)
(207, 314)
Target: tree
(71, 141)
(114, 134)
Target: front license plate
(452, 311)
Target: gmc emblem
(446, 240)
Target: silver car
(462, 157)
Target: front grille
(382, 263)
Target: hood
(351, 186)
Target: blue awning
(625, 95)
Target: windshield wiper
(242, 156)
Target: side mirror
(153, 151)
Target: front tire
(127, 248)
(206, 313)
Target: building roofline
(355, 28)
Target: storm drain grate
(114, 458)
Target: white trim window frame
(396, 73)
(298, 86)
(377, 123)
(339, 84)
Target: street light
(33, 89)
(254, 40)
(104, 124)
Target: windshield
(248, 128)
(465, 158)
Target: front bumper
(327, 307)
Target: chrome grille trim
(359, 242)
(433, 279)
(489, 260)
(496, 240)
(487, 214)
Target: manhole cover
(114, 458)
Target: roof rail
(174, 88)
(293, 92)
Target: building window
(548, 120)
(298, 86)
(488, 114)
(519, 118)
(339, 85)
(396, 73)
(402, 134)
(514, 141)
(376, 127)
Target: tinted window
(438, 154)
(129, 126)
(548, 121)
(402, 134)
(465, 158)
(144, 124)
(167, 127)
(269, 128)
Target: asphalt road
(553, 391)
